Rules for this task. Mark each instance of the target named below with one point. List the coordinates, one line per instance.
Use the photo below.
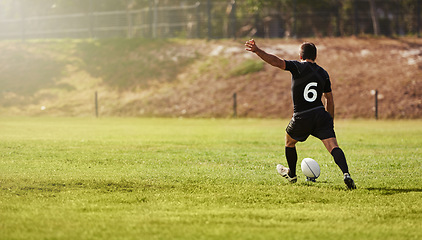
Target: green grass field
(120, 178)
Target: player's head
(308, 51)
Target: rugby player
(309, 83)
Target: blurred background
(186, 58)
(206, 18)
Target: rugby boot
(349, 181)
(284, 172)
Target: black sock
(340, 159)
(291, 156)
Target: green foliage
(247, 67)
(297, 17)
(143, 60)
(120, 63)
(215, 64)
(27, 69)
(75, 178)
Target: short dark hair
(308, 51)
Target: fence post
(294, 35)
(96, 104)
(233, 19)
(129, 22)
(337, 16)
(91, 19)
(209, 6)
(355, 18)
(375, 94)
(398, 9)
(155, 19)
(418, 12)
(23, 22)
(198, 19)
(234, 105)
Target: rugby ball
(310, 168)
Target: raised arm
(269, 58)
(329, 106)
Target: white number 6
(308, 91)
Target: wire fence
(205, 19)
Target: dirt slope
(197, 78)
(356, 67)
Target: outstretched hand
(251, 46)
(268, 58)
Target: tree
(374, 17)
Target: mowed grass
(119, 178)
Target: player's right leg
(340, 160)
(291, 157)
(297, 130)
(291, 154)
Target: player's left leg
(325, 132)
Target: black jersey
(309, 82)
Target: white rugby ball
(310, 168)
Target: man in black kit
(309, 83)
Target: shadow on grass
(380, 190)
(391, 191)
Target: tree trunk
(374, 17)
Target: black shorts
(317, 123)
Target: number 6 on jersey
(308, 91)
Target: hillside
(197, 78)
